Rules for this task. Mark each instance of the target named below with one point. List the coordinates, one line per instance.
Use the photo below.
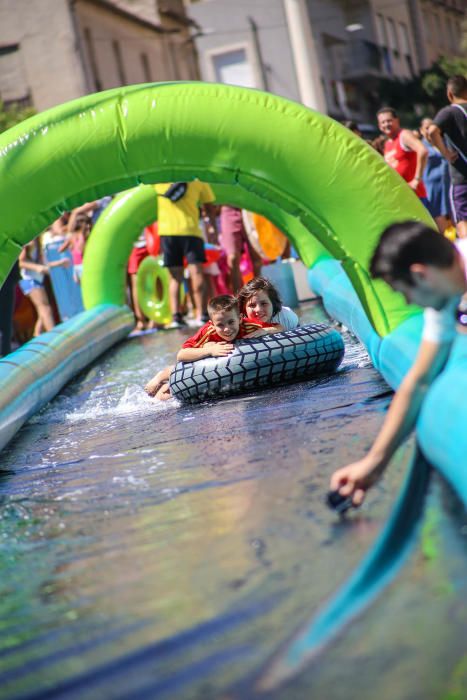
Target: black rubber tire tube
(271, 360)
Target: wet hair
(33, 248)
(457, 84)
(403, 244)
(352, 126)
(223, 302)
(378, 144)
(83, 221)
(424, 119)
(391, 110)
(259, 284)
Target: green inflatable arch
(299, 161)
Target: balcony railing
(362, 59)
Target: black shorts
(176, 248)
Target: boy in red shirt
(214, 339)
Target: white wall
(48, 62)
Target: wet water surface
(156, 550)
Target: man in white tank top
(432, 272)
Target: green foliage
(11, 115)
(434, 80)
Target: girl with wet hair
(259, 300)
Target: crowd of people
(185, 225)
(426, 267)
(433, 158)
(203, 246)
(30, 276)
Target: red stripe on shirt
(208, 334)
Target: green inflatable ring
(152, 283)
(335, 184)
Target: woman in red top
(403, 151)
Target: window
(119, 61)
(387, 60)
(393, 39)
(334, 94)
(146, 68)
(383, 39)
(404, 39)
(381, 29)
(453, 34)
(442, 31)
(336, 55)
(435, 29)
(427, 25)
(233, 67)
(13, 81)
(88, 40)
(405, 48)
(10, 48)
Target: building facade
(328, 54)
(52, 51)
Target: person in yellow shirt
(181, 238)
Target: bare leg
(162, 377)
(210, 288)
(286, 253)
(235, 277)
(7, 302)
(140, 317)
(164, 393)
(38, 328)
(176, 279)
(256, 260)
(45, 319)
(197, 281)
(442, 223)
(461, 228)
(189, 304)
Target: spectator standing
(449, 134)
(33, 271)
(7, 302)
(403, 151)
(233, 240)
(76, 243)
(92, 209)
(138, 254)
(431, 272)
(181, 238)
(57, 231)
(436, 179)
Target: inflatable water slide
(329, 191)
